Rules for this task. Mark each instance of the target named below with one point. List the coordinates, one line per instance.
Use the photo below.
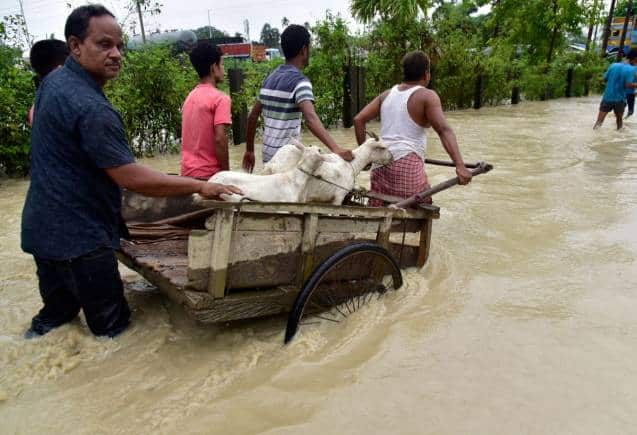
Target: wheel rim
(344, 283)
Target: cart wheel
(344, 282)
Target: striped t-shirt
(282, 92)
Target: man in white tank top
(406, 111)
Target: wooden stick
(482, 168)
(450, 164)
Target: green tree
(207, 32)
(454, 17)
(621, 10)
(386, 44)
(15, 32)
(539, 26)
(16, 94)
(148, 94)
(270, 36)
(400, 10)
(593, 9)
(331, 51)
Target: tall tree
(627, 16)
(593, 14)
(206, 32)
(621, 9)
(285, 22)
(541, 27)
(609, 21)
(401, 10)
(270, 36)
(14, 31)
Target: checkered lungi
(403, 178)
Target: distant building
(616, 30)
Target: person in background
(205, 117)
(619, 77)
(80, 160)
(286, 94)
(406, 111)
(630, 92)
(46, 56)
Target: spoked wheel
(347, 280)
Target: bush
(149, 94)
(547, 81)
(16, 93)
(330, 54)
(456, 72)
(385, 46)
(254, 75)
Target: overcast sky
(45, 17)
(48, 16)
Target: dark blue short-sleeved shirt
(72, 206)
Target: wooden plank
(220, 253)
(198, 300)
(262, 222)
(327, 209)
(264, 259)
(310, 234)
(366, 225)
(246, 305)
(155, 277)
(200, 245)
(257, 259)
(425, 242)
(382, 237)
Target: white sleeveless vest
(398, 131)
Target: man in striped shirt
(286, 94)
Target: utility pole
(629, 16)
(609, 22)
(141, 20)
(26, 28)
(209, 26)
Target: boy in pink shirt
(205, 117)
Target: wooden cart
(225, 261)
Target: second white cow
(287, 186)
(333, 180)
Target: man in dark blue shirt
(80, 160)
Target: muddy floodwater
(524, 321)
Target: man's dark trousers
(630, 99)
(91, 283)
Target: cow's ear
(297, 143)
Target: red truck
(256, 52)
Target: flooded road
(523, 321)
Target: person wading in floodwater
(286, 94)
(79, 159)
(619, 77)
(205, 117)
(406, 111)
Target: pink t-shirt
(204, 108)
